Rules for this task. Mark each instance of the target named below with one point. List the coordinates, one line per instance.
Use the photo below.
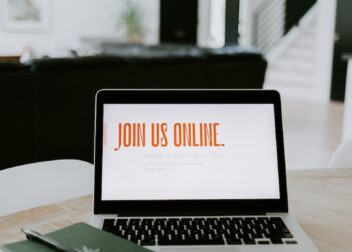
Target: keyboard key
(109, 222)
(291, 242)
(263, 242)
(148, 243)
(233, 241)
(109, 225)
(249, 241)
(276, 241)
(286, 235)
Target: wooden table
(321, 200)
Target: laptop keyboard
(201, 231)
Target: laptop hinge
(143, 214)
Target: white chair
(342, 157)
(31, 185)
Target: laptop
(193, 170)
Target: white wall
(247, 10)
(325, 48)
(203, 22)
(217, 23)
(73, 19)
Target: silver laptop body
(193, 170)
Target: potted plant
(131, 19)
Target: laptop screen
(189, 152)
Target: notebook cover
(77, 236)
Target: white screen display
(189, 152)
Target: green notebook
(78, 236)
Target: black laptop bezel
(188, 207)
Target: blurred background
(303, 42)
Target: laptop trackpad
(203, 249)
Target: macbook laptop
(193, 170)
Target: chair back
(32, 185)
(342, 157)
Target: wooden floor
(312, 131)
